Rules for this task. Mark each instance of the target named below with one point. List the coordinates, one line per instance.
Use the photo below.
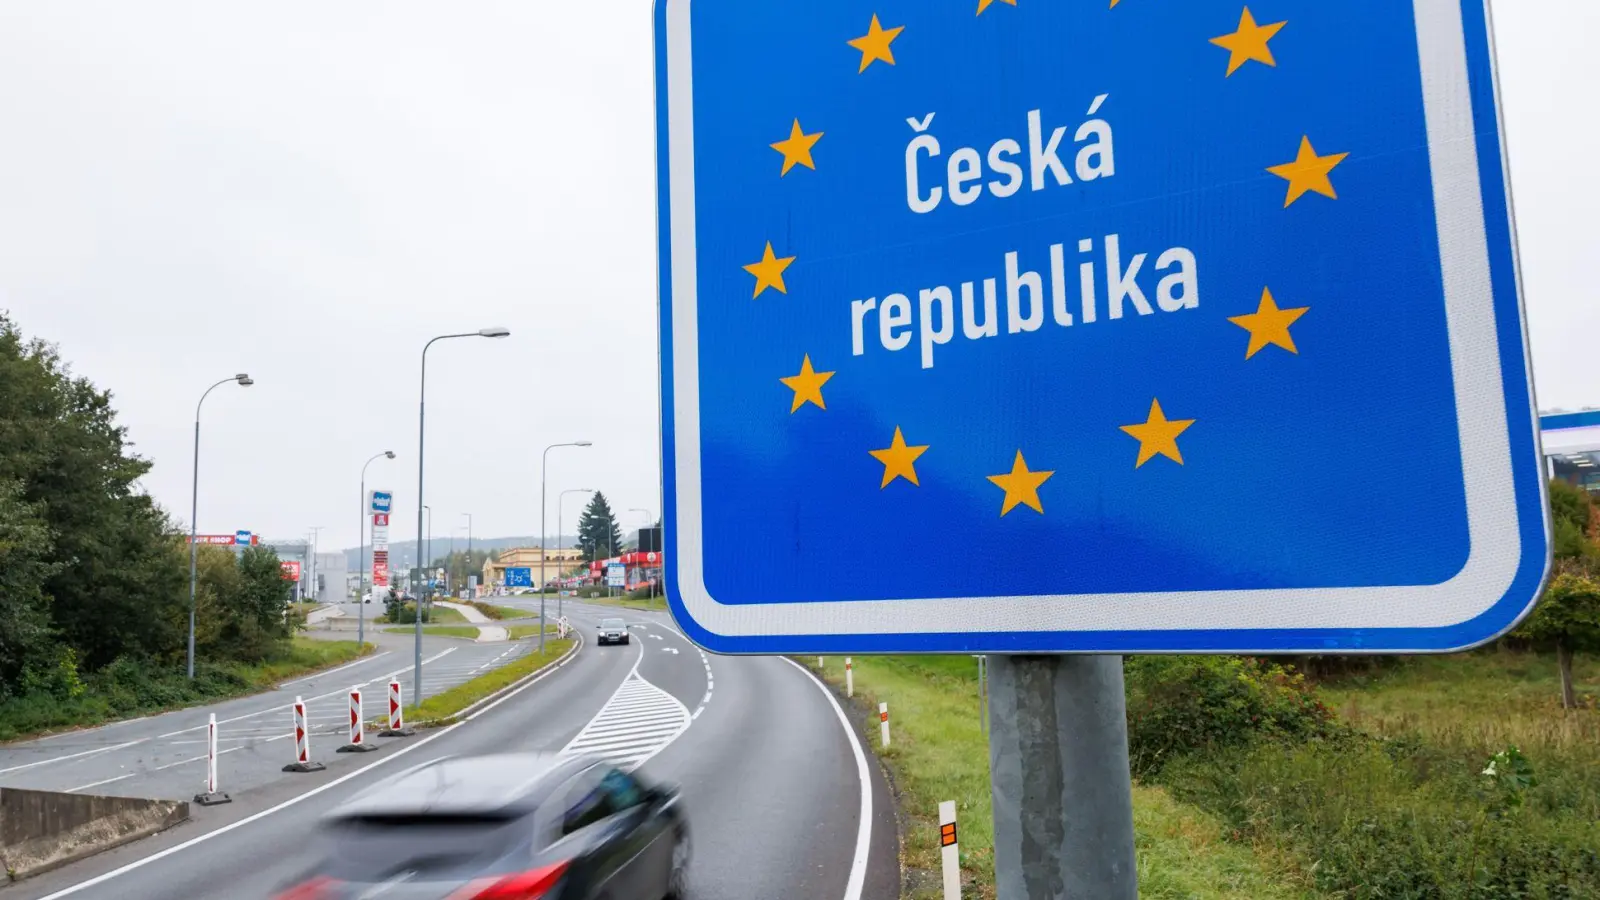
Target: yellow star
(807, 387)
(985, 4)
(899, 460)
(1158, 434)
(874, 45)
(1249, 42)
(769, 272)
(1269, 325)
(797, 149)
(1021, 486)
(1308, 172)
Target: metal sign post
(1155, 327)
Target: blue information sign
(519, 576)
(1024, 325)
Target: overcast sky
(308, 191)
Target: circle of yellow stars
(1268, 326)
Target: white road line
(56, 759)
(364, 659)
(858, 866)
(636, 723)
(292, 801)
(85, 787)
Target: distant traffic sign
(1061, 327)
(519, 576)
(616, 575)
(381, 501)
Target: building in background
(556, 562)
(1572, 446)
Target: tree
(598, 535)
(26, 640)
(1567, 617)
(116, 586)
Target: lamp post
(422, 405)
(427, 557)
(560, 600)
(361, 574)
(316, 532)
(544, 462)
(469, 547)
(194, 506)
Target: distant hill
(401, 553)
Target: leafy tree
(117, 587)
(459, 566)
(598, 534)
(1567, 620)
(26, 641)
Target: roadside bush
(645, 593)
(406, 614)
(1375, 819)
(488, 609)
(1178, 705)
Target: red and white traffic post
(397, 716)
(949, 850)
(883, 723)
(849, 678)
(302, 742)
(358, 727)
(211, 796)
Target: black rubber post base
(304, 767)
(404, 732)
(214, 798)
(357, 748)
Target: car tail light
(530, 885)
(319, 888)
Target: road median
(451, 706)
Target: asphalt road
(773, 780)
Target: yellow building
(556, 562)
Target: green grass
(470, 632)
(130, 688)
(657, 603)
(1481, 701)
(499, 612)
(940, 753)
(518, 632)
(441, 708)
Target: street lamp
(194, 506)
(315, 532)
(422, 405)
(361, 574)
(427, 558)
(561, 499)
(543, 463)
(469, 547)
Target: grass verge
(441, 709)
(518, 632)
(496, 613)
(470, 632)
(940, 753)
(129, 688)
(626, 603)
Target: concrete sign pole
(1059, 779)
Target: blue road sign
(1041, 326)
(520, 576)
(381, 501)
(242, 538)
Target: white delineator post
(397, 716)
(949, 851)
(358, 727)
(302, 742)
(849, 678)
(883, 723)
(212, 796)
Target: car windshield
(611, 623)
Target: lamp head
(497, 331)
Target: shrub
(1369, 820)
(1181, 704)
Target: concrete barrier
(42, 830)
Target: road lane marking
(637, 722)
(85, 787)
(292, 801)
(858, 867)
(79, 755)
